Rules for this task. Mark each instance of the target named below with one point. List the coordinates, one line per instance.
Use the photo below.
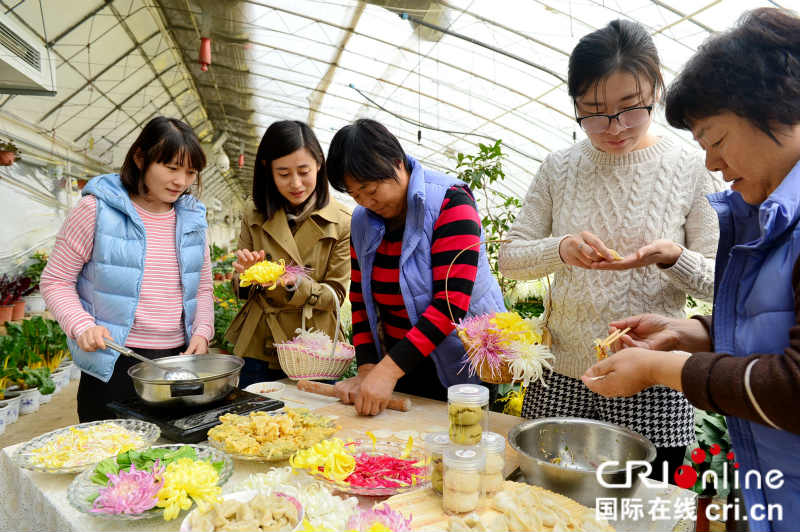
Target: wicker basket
(299, 362)
(486, 373)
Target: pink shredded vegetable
(383, 472)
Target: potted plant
(22, 288)
(713, 452)
(8, 293)
(226, 307)
(34, 302)
(8, 153)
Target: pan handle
(185, 389)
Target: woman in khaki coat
(292, 218)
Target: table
(38, 501)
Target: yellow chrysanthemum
(185, 478)
(513, 328)
(224, 304)
(265, 272)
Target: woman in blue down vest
(131, 264)
(410, 224)
(740, 97)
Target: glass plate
(276, 457)
(388, 448)
(82, 487)
(24, 456)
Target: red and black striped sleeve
(457, 228)
(362, 334)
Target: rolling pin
(401, 405)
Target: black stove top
(190, 424)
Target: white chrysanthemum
(529, 364)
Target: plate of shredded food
(270, 436)
(77, 447)
(247, 510)
(365, 467)
(156, 482)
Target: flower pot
(19, 310)
(6, 312)
(2, 421)
(12, 413)
(34, 303)
(75, 372)
(61, 378)
(7, 158)
(45, 398)
(28, 400)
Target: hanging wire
(434, 128)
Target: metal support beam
(147, 60)
(86, 17)
(118, 107)
(139, 124)
(416, 20)
(315, 100)
(94, 78)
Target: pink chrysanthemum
(130, 492)
(381, 515)
(484, 345)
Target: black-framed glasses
(635, 116)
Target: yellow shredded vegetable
(86, 445)
(331, 455)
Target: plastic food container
(435, 446)
(468, 411)
(462, 479)
(492, 476)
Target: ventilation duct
(25, 66)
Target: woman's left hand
(662, 252)
(631, 370)
(197, 346)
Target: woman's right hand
(92, 338)
(584, 249)
(246, 258)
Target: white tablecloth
(32, 501)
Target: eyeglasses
(628, 118)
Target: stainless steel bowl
(563, 454)
(218, 376)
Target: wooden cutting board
(425, 507)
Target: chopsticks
(613, 337)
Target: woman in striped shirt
(131, 263)
(410, 224)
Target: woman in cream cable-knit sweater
(625, 190)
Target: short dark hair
(751, 70)
(365, 151)
(621, 46)
(161, 140)
(280, 139)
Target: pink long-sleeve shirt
(158, 320)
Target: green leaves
(480, 172)
(143, 460)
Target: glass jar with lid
(462, 478)
(492, 475)
(435, 445)
(468, 412)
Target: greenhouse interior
(395, 265)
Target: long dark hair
(751, 70)
(280, 139)
(366, 151)
(621, 46)
(161, 140)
